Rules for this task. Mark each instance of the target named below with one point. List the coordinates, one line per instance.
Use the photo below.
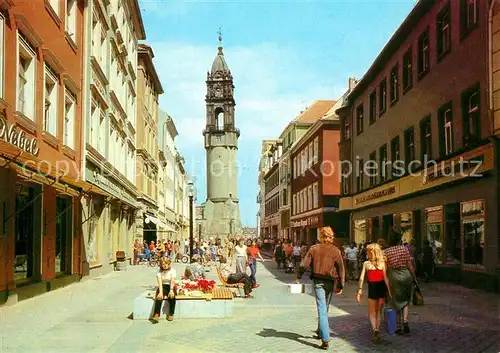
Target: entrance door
(387, 224)
(64, 212)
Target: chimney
(352, 83)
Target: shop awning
(158, 222)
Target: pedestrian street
(93, 316)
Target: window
(445, 118)
(394, 82)
(345, 179)
(55, 5)
(443, 28)
(359, 175)
(426, 138)
(383, 163)
(347, 129)
(382, 103)
(2, 23)
(315, 195)
(294, 207)
(316, 150)
(396, 157)
(373, 173)
(471, 117)
(406, 225)
(26, 79)
(309, 197)
(407, 70)
(311, 157)
(50, 102)
(410, 148)
(434, 225)
(373, 107)
(359, 119)
(360, 231)
(469, 10)
(71, 9)
(69, 120)
(294, 167)
(423, 54)
(473, 233)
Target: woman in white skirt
(240, 251)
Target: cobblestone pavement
(91, 316)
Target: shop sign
(308, 222)
(455, 168)
(10, 134)
(375, 195)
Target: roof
(408, 25)
(331, 114)
(146, 53)
(315, 112)
(219, 63)
(137, 19)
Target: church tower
(221, 209)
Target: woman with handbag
(401, 274)
(378, 287)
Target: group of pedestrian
(159, 249)
(289, 255)
(390, 273)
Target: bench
(218, 304)
(238, 286)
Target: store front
(458, 219)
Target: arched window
(219, 119)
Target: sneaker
(324, 345)
(406, 328)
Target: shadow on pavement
(269, 332)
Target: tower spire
(219, 32)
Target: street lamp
(191, 194)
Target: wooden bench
(238, 286)
(221, 293)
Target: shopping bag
(418, 298)
(391, 322)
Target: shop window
(63, 235)
(473, 233)
(387, 225)
(27, 245)
(406, 224)
(452, 243)
(407, 70)
(360, 231)
(374, 228)
(434, 225)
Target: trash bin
(121, 261)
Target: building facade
(149, 89)
(221, 209)
(112, 32)
(421, 118)
(315, 185)
(271, 204)
(264, 164)
(41, 63)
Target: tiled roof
(315, 112)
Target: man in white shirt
(351, 254)
(296, 255)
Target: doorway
(63, 235)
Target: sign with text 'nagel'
(10, 134)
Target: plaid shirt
(397, 257)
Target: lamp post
(191, 192)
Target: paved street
(92, 317)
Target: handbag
(418, 298)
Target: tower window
(219, 119)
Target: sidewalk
(92, 317)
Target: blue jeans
(253, 270)
(323, 290)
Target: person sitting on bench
(231, 277)
(195, 270)
(166, 283)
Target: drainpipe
(490, 56)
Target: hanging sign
(10, 134)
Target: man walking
(328, 275)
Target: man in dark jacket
(328, 275)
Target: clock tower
(221, 214)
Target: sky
(283, 55)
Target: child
(166, 283)
(378, 285)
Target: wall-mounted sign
(10, 134)
(312, 221)
(376, 195)
(457, 167)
